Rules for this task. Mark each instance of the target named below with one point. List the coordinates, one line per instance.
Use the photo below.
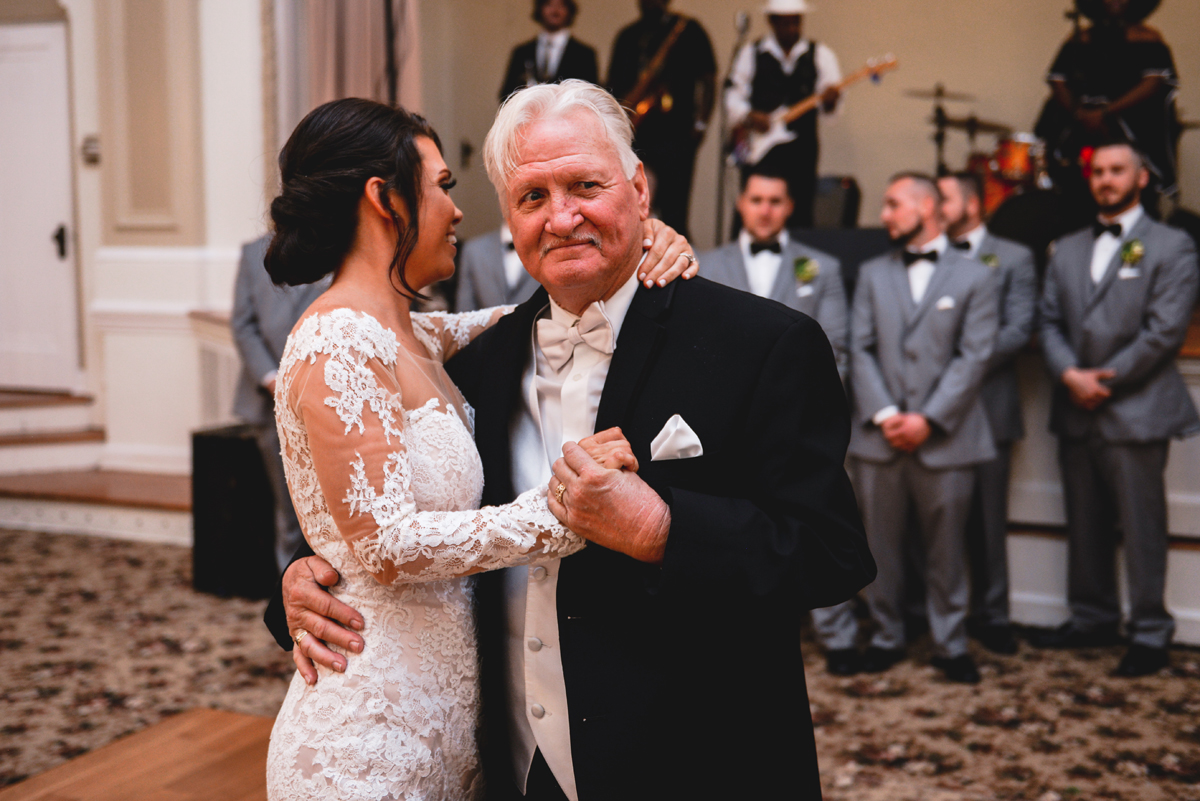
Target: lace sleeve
(445, 334)
(348, 402)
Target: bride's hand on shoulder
(669, 255)
(610, 450)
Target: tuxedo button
(535, 644)
(538, 711)
(538, 573)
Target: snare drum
(1014, 157)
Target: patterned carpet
(100, 638)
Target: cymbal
(938, 92)
(973, 123)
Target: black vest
(772, 87)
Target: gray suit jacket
(1018, 307)
(263, 316)
(823, 298)
(928, 357)
(481, 282)
(1133, 322)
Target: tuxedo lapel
(1110, 274)
(941, 274)
(900, 288)
(733, 267)
(641, 336)
(784, 289)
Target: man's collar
(938, 243)
(615, 308)
(974, 237)
(771, 45)
(558, 38)
(744, 239)
(1127, 219)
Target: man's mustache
(568, 241)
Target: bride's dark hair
(323, 168)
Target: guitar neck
(809, 103)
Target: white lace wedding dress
(386, 481)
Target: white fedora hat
(783, 8)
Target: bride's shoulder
(341, 331)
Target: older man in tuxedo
(263, 316)
(987, 526)
(1115, 308)
(600, 675)
(923, 327)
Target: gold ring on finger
(299, 635)
(558, 493)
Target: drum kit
(1015, 164)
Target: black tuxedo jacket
(686, 680)
(578, 61)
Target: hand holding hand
(1085, 388)
(906, 431)
(309, 607)
(612, 508)
(610, 450)
(669, 257)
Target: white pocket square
(803, 291)
(1129, 272)
(675, 441)
(945, 302)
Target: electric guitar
(750, 146)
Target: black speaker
(233, 515)
(837, 202)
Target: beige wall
(997, 50)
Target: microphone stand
(742, 26)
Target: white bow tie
(558, 342)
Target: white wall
(998, 50)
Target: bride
(381, 464)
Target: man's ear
(1143, 179)
(642, 188)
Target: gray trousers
(941, 500)
(287, 527)
(987, 539)
(1107, 486)
(837, 628)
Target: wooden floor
(109, 487)
(199, 755)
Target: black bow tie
(962, 244)
(1099, 228)
(759, 247)
(510, 245)
(911, 258)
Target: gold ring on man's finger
(558, 493)
(299, 635)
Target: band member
(1114, 310)
(987, 527)
(1114, 78)
(663, 68)
(554, 55)
(923, 326)
(777, 71)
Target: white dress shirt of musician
(786, 20)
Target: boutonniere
(990, 260)
(806, 269)
(1132, 252)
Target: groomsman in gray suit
(923, 329)
(491, 273)
(766, 261)
(987, 526)
(1114, 311)
(263, 316)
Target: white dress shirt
(974, 238)
(550, 47)
(737, 99)
(919, 274)
(513, 269)
(1107, 245)
(559, 406)
(762, 268)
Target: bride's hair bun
(323, 168)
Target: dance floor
(199, 755)
(103, 642)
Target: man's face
(652, 8)
(902, 213)
(576, 219)
(765, 207)
(1117, 180)
(954, 207)
(554, 15)
(786, 28)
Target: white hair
(550, 100)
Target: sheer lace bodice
(386, 482)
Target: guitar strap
(650, 73)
